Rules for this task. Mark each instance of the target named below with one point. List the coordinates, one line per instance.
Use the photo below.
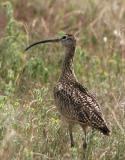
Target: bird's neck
(67, 67)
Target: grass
(30, 126)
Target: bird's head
(68, 41)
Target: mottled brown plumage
(74, 102)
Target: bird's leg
(85, 140)
(71, 135)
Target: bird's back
(77, 104)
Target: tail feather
(105, 130)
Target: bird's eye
(64, 37)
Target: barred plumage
(75, 103)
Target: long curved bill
(44, 41)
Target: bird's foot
(72, 144)
(84, 145)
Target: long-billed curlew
(75, 103)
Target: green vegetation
(30, 126)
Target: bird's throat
(67, 67)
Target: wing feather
(76, 102)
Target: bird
(75, 103)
